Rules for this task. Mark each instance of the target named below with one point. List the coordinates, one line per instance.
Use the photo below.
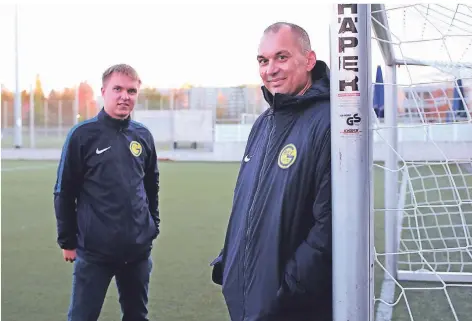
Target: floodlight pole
(17, 105)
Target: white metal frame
(393, 210)
(352, 162)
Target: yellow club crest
(287, 156)
(135, 148)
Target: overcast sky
(203, 44)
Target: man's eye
(282, 57)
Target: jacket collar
(113, 122)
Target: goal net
(420, 130)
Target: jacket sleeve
(217, 271)
(66, 190)
(310, 267)
(151, 185)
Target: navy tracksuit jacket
(276, 262)
(106, 193)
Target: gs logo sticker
(135, 148)
(287, 156)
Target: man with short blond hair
(106, 203)
(123, 69)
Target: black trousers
(91, 281)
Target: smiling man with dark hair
(276, 261)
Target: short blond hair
(121, 69)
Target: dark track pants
(90, 284)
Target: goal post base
(428, 276)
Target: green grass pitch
(195, 202)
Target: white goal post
(351, 147)
(401, 224)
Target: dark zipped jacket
(276, 263)
(106, 192)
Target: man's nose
(272, 68)
(124, 95)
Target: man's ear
(102, 90)
(311, 60)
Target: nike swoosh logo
(99, 151)
(247, 158)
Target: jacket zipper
(251, 209)
(127, 236)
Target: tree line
(57, 106)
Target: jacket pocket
(103, 235)
(90, 233)
(83, 222)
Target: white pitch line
(384, 311)
(26, 168)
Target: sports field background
(195, 202)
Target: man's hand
(69, 255)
